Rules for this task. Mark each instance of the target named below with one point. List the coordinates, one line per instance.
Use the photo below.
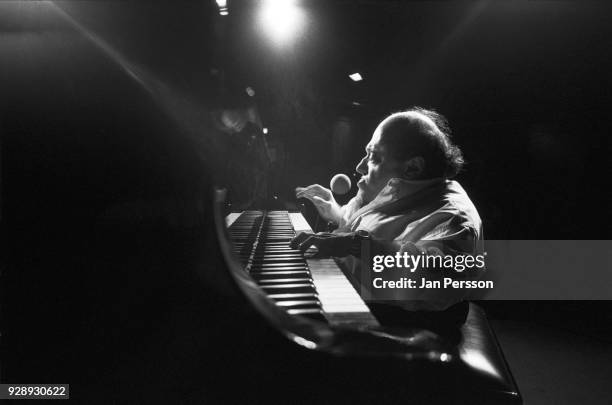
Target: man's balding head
(422, 133)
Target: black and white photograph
(306, 202)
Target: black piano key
(302, 304)
(269, 280)
(310, 313)
(279, 273)
(279, 255)
(289, 288)
(258, 276)
(274, 263)
(280, 297)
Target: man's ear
(414, 168)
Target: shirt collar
(396, 189)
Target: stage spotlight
(356, 77)
(281, 20)
(222, 7)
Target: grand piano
(122, 278)
(312, 302)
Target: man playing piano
(406, 202)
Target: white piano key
(231, 218)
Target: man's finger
(325, 244)
(310, 193)
(317, 199)
(311, 240)
(318, 240)
(298, 239)
(314, 189)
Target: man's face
(376, 168)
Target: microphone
(340, 184)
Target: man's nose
(362, 167)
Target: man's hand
(323, 200)
(328, 244)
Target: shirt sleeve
(348, 210)
(446, 232)
(450, 236)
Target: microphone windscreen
(340, 184)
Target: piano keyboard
(304, 286)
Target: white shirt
(417, 216)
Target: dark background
(110, 146)
(525, 86)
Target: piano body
(316, 307)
